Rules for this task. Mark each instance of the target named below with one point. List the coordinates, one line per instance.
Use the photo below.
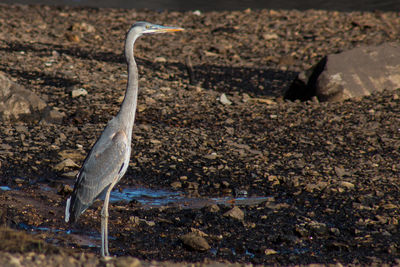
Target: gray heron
(109, 157)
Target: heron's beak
(163, 29)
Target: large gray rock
(354, 73)
(20, 104)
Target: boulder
(20, 104)
(354, 73)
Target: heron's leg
(104, 232)
(103, 219)
(104, 222)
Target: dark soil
(330, 170)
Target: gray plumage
(108, 159)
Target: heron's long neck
(128, 107)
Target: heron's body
(108, 159)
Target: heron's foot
(107, 258)
(106, 255)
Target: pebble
(213, 208)
(160, 60)
(195, 241)
(176, 185)
(70, 175)
(224, 99)
(53, 116)
(318, 227)
(340, 172)
(270, 36)
(127, 262)
(83, 26)
(67, 163)
(13, 261)
(65, 190)
(270, 251)
(346, 185)
(78, 92)
(71, 37)
(235, 213)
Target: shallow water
(145, 196)
(5, 188)
(151, 198)
(148, 198)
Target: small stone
(53, 116)
(83, 26)
(70, 175)
(176, 185)
(78, 92)
(197, 13)
(19, 181)
(340, 172)
(390, 206)
(224, 99)
(134, 220)
(301, 231)
(160, 60)
(13, 261)
(71, 37)
(270, 36)
(347, 185)
(317, 227)
(230, 130)
(71, 154)
(235, 213)
(225, 183)
(211, 156)
(65, 190)
(277, 206)
(127, 262)
(198, 232)
(270, 251)
(213, 208)
(192, 185)
(67, 163)
(195, 242)
(334, 231)
(150, 223)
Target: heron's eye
(147, 26)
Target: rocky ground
(329, 172)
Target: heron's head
(149, 28)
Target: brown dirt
(331, 170)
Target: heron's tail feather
(74, 208)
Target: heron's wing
(102, 166)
